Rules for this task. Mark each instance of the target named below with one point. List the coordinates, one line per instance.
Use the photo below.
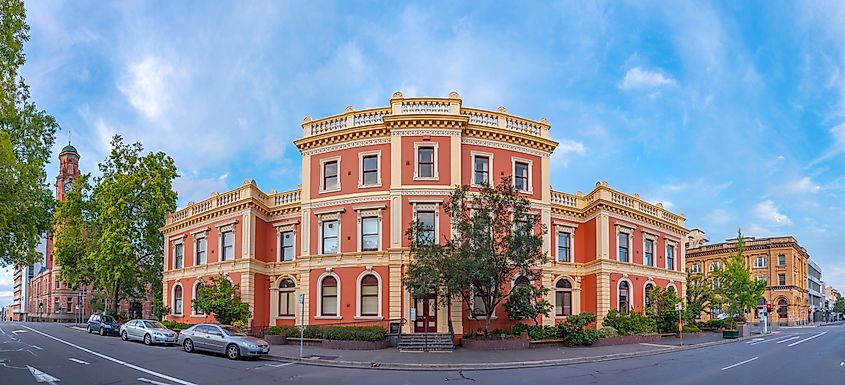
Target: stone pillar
(603, 288)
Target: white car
(151, 332)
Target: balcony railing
(246, 192)
(604, 192)
(399, 105)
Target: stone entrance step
(426, 342)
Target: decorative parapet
(247, 192)
(603, 193)
(750, 243)
(400, 105)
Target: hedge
(175, 325)
(338, 333)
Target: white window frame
(530, 182)
(320, 297)
(361, 155)
(358, 295)
(571, 290)
(760, 258)
(784, 259)
(428, 206)
(195, 292)
(278, 297)
(328, 216)
(323, 162)
(436, 147)
(489, 156)
(714, 264)
(695, 268)
(177, 242)
(280, 230)
(654, 239)
(631, 306)
(620, 228)
(674, 245)
(203, 235)
(369, 212)
(645, 292)
(173, 300)
(472, 310)
(221, 229)
(568, 230)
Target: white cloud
(767, 211)
(803, 185)
(642, 78)
(147, 85)
(192, 188)
(719, 217)
(838, 146)
(565, 148)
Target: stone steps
(420, 342)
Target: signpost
(301, 323)
(678, 307)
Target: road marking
(842, 363)
(1, 331)
(78, 361)
(740, 363)
(42, 377)
(37, 347)
(755, 340)
(789, 339)
(149, 381)
(115, 360)
(769, 340)
(280, 365)
(807, 339)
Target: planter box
(305, 341)
(275, 339)
(625, 340)
(356, 345)
(730, 334)
(495, 343)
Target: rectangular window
(520, 176)
(330, 175)
(287, 246)
(481, 170)
(369, 234)
(563, 247)
(69, 307)
(623, 247)
(287, 303)
(648, 258)
(759, 262)
(425, 162)
(58, 284)
(178, 256)
(781, 260)
(426, 235)
(670, 257)
(228, 245)
(329, 301)
(369, 170)
(369, 300)
(781, 279)
(695, 268)
(330, 237)
(200, 251)
(55, 305)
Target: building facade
(22, 276)
(339, 240)
(779, 261)
(815, 292)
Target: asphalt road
(69, 356)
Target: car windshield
(232, 331)
(107, 319)
(153, 325)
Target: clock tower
(68, 170)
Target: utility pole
(301, 323)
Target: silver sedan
(222, 339)
(150, 332)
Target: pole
(681, 326)
(301, 323)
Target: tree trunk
(487, 325)
(115, 298)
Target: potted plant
(729, 331)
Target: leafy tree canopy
(219, 297)
(737, 290)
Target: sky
(732, 113)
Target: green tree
(699, 295)
(108, 235)
(220, 298)
(662, 309)
(839, 305)
(528, 302)
(737, 290)
(26, 138)
(496, 237)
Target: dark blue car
(103, 324)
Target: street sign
(413, 314)
(301, 299)
(678, 306)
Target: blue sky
(733, 114)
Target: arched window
(624, 297)
(522, 281)
(563, 298)
(197, 287)
(177, 300)
(287, 298)
(671, 289)
(328, 296)
(369, 296)
(647, 297)
(783, 311)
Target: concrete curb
(492, 365)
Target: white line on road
(764, 340)
(115, 360)
(37, 347)
(149, 381)
(740, 363)
(280, 365)
(41, 377)
(78, 361)
(789, 339)
(807, 339)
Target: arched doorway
(783, 308)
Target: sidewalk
(464, 359)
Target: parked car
(103, 324)
(222, 339)
(151, 332)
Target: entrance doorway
(426, 315)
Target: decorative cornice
(340, 137)
(505, 146)
(346, 145)
(426, 120)
(424, 132)
(347, 201)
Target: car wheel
(88, 328)
(188, 345)
(124, 336)
(147, 339)
(232, 352)
(102, 331)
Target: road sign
(413, 314)
(678, 306)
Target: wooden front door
(426, 315)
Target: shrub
(574, 330)
(713, 323)
(608, 331)
(629, 324)
(690, 329)
(282, 330)
(310, 332)
(536, 332)
(504, 332)
(354, 333)
(173, 325)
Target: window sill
(476, 185)
(198, 316)
(360, 186)
(286, 317)
(370, 317)
(428, 178)
(287, 261)
(482, 318)
(334, 317)
(330, 190)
